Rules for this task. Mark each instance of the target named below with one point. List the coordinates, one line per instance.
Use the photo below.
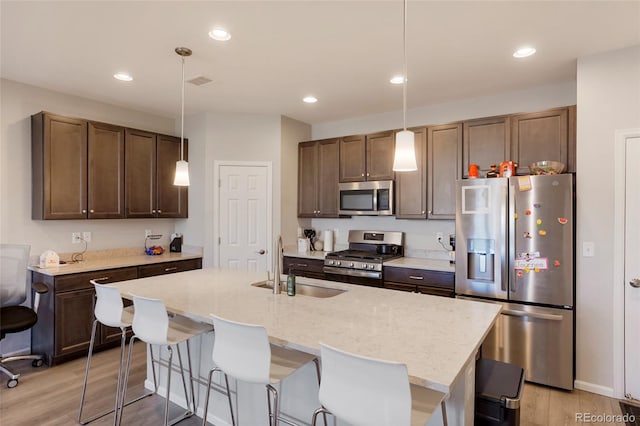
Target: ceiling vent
(200, 80)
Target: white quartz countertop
(434, 336)
(109, 262)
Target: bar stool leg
(444, 413)
(166, 405)
(193, 394)
(324, 412)
(86, 373)
(274, 414)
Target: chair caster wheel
(12, 383)
(37, 363)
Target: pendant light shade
(404, 159)
(182, 167)
(405, 156)
(182, 173)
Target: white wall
(421, 234)
(608, 100)
(216, 136)
(18, 103)
(293, 132)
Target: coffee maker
(176, 243)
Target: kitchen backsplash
(420, 235)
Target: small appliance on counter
(49, 259)
(176, 243)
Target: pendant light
(182, 167)
(404, 159)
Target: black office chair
(14, 318)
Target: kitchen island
(437, 338)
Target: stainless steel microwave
(374, 198)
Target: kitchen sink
(304, 289)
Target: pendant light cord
(182, 117)
(404, 71)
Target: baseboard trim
(593, 388)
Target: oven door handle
(352, 272)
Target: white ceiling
(343, 52)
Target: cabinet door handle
(101, 279)
(159, 211)
(84, 210)
(91, 211)
(153, 211)
(415, 277)
(302, 265)
(423, 211)
(362, 175)
(368, 174)
(173, 268)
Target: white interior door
(632, 269)
(244, 217)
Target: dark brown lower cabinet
(303, 267)
(438, 283)
(65, 315)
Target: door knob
(261, 251)
(635, 283)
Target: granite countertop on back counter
(116, 258)
(292, 251)
(401, 262)
(421, 263)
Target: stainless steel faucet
(277, 265)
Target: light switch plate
(588, 249)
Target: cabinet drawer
(420, 277)
(435, 291)
(400, 286)
(81, 281)
(169, 267)
(302, 266)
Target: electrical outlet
(75, 237)
(147, 232)
(439, 236)
(86, 236)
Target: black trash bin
(498, 391)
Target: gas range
(368, 250)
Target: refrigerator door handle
(509, 271)
(549, 317)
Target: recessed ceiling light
(396, 79)
(310, 99)
(524, 52)
(122, 76)
(219, 34)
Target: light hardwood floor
(51, 396)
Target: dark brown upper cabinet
(486, 141)
(78, 168)
(444, 144)
(318, 172)
(367, 157)
(59, 167)
(353, 155)
(171, 199)
(105, 171)
(545, 135)
(380, 152)
(411, 187)
(150, 169)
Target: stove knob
(338, 263)
(351, 264)
(331, 262)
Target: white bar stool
(152, 325)
(365, 391)
(109, 311)
(243, 352)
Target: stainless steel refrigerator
(515, 246)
